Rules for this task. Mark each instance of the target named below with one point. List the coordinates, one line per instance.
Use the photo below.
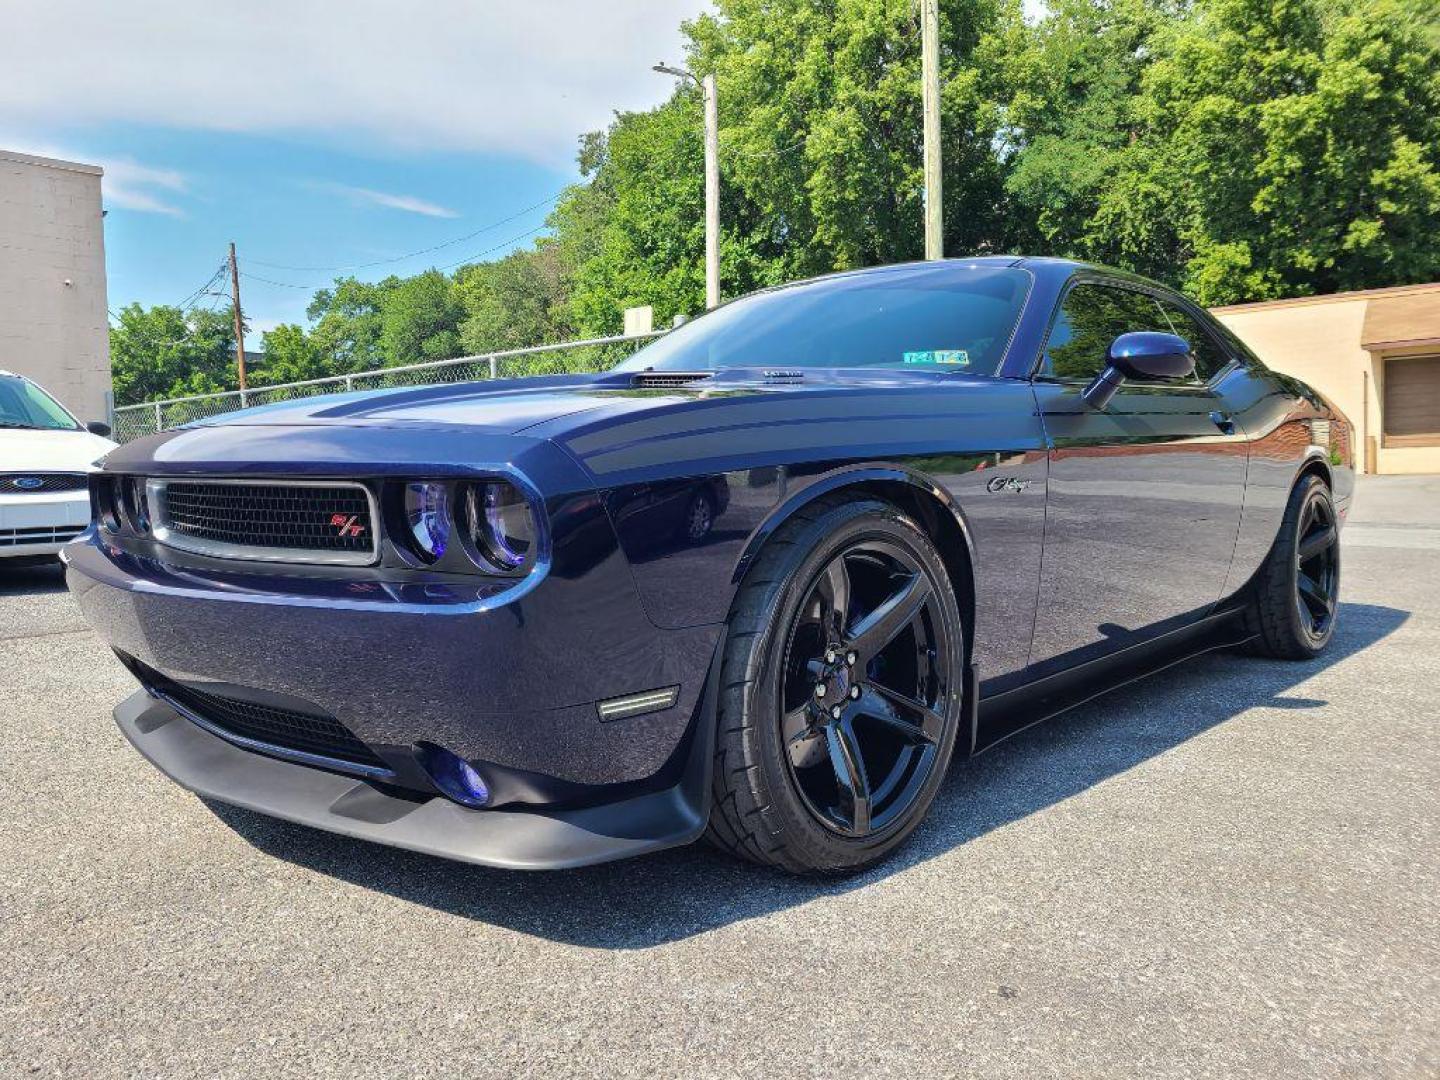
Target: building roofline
(50, 163)
(1328, 298)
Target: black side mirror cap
(1142, 356)
(98, 427)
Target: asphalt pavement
(1230, 869)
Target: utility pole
(712, 192)
(712, 178)
(239, 321)
(930, 95)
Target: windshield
(931, 317)
(25, 405)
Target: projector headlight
(500, 523)
(427, 519)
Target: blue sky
(351, 135)
(293, 207)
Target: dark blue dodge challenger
(758, 583)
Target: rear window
(936, 317)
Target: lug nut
(850, 658)
(854, 693)
(819, 689)
(835, 712)
(830, 656)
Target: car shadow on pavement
(680, 893)
(35, 580)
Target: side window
(1090, 318)
(1210, 358)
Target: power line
(410, 255)
(491, 250)
(271, 281)
(189, 301)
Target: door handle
(1224, 421)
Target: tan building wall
(53, 324)
(1339, 344)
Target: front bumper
(41, 524)
(520, 840)
(510, 684)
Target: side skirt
(1008, 713)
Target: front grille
(59, 534)
(304, 732)
(294, 520)
(41, 483)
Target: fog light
(453, 775)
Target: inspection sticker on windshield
(938, 356)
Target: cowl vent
(665, 380)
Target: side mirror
(1143, 356)
(98, 427)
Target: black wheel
(1297, 592)
(840, 691)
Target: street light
(712, 179)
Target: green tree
(516, 301)
(346, 324)
(291, 355)
(1074, 113)
(163, 352)
(420, 319)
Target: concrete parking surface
(1229, 869)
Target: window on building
(1412, 400)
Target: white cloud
(127, 183)
(516, 76)
(132, 186)
(409, 203)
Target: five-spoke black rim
(1317, 572)
(865, 688)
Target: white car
(46, 456)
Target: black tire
(1295, 597)
(768, 804)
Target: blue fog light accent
(453, 775)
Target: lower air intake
(267, 727)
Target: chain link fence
(592, 354)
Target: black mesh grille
(287, 729)
(272, 516)
(40, 483)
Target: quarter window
(1090, 318)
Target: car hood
(23, 449)
(546, 404)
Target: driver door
(1144, 495)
